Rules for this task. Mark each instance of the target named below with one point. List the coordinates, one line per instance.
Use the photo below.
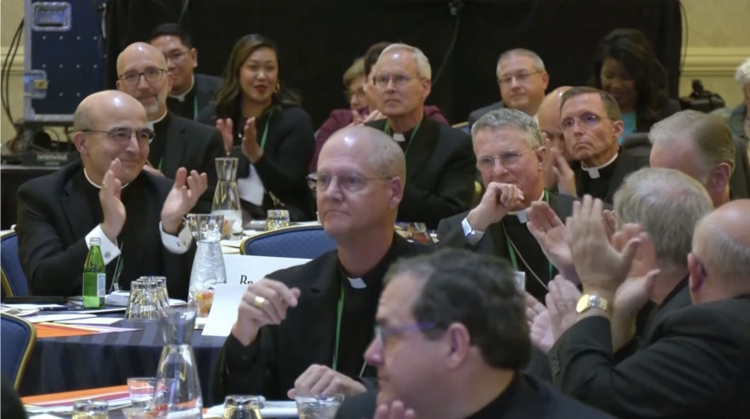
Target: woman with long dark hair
(626, 67)
(262, 124)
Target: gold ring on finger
(259, 301)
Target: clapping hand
(538, 318)
(552, 236)
(498, 200)
(109, 198)
(182, 198)
(561, 301)
(395, 410)
(600, 266)
(250, 147)
(226, 128)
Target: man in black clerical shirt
(451, 339)
(591, 123)
(510, 157)
(137, 216)
(694, 362)
(440, 165)
(191, 91)
(179, 142)
(305, 329)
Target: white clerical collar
(357, 283)
(151, 124)
(594, 171)
(94, 184)
(399, 137)
(522, 215)
(181, 97)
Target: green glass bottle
(94, 276)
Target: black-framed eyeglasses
(176, 56)
(521, 77)
(351, 182)
(508, 158)
(152, 75)
(587, 120)
(122, 136)
(382, 333)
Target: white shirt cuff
(472, 236)
(110, 251)
(178, 244)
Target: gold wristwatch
(588, 301)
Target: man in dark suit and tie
(179, 142)
(450, 341)
(191, 91)
(305, 329)
(137, 216)
(510, 157)
(591, 122)
(440, 164)
(701, 146)
(694, 363)
(522, 80)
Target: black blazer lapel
(325, 291)
(176, 146)
(493, 242)
(77, 211)
(422, 146)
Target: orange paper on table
(106, 392)
(51, 330)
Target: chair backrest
(13, 279)
(463, 126)
(17, 339)
(306, 242)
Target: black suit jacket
(476, 114)
(280, 354)
(668, 108)
(440, 173)
(739, 182)
(629, 161)
(53, 221)
(193, 146)
(206, 88)
(694, 364)
(530, 399)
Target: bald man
(137, 216)
(694, 364)
(558, 175)
(179, 142)
(305, 329)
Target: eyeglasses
(351, 182)
(152, 75)
(176, 56)
(588, 120)
(520, 77)
(122, 136)
(399, 80)
(381, 334)
(509, 158)
(359, 93)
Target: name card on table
(246, 270)
(223, 313)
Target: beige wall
(718, 40)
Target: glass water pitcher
(208, 264)
(227, 198)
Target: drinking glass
(142, 304)
(141, 390)
(242, 407)
(138, 413)
(90, 409)
(320, 406)
(277, 219)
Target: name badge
(520, 279)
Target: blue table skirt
(109, 359)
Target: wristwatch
(588, 301)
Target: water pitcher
(227, 198)
(208, 265)
(178, 389)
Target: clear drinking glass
(142, 303)
(227, 198)
(90, 409)
(320, 406)
(276, 219)
(138, 413)
(242, 407)
(208, 263)
(141, 390)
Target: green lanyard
(265, 133)
(118, 270)
(512, 252)
(387, 130)
(339, 313)
(195, 106)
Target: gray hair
(721, 253)
(509, 118)
(742, 75)
(423, 64)
(535, 58)
(710, 136)
(82, 118)
(668, 204)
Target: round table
(109, 359)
